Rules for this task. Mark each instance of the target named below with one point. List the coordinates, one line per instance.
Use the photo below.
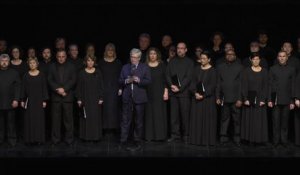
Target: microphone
(133, 68)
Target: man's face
(144, 43)
(3, 46)
(46, 54)
(287, 47)
(60, 44)
(181, 49)
(230, 56)
(31, 53)
(254, 47)
(263, 38)
(4, 62)
(90, 51)
(282, 58)
(61, 57)
(73, 51)
(255, 61)
(228, 47)
(134, 58)
(166, 41)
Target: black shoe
(122, 146)
(237, 144)
(172, 139)
(54, 144)
(12, 143)
(223, 143)
(275, 145)
(135, 147)
(285, 145)
(185, 139)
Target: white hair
(2, 56)
(136, 51)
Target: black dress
(156, 114)
(90, 91)
(254, 123)
(203, 121)
(34, 93)
(111, 107)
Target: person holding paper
(254, 122)
(34, 94)
(281, 97)
(134, 79)
(203, 122)
(178, 75)
(90, 92)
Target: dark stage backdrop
(36, 23)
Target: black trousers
(8, 123)
(61, 111)
(230, 111)
(297, 127)
(280, 119)
(180, 115)
(130, 109)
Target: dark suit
(9, 91)
(180, 101)
(282, 82)
(229, 89)
(62, 76)
(134, 98)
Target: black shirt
(282, 82)
(10, 88)
(229, 81)
(183, 68)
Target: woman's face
(33, 65)
(90, 63)
(110, 52)
(153, 55)
(15, 53)
(204, 60)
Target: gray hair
(2, 56)
(136, 51)
(145, 35)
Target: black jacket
(68, 82)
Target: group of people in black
(158, 95)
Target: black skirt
(203, 122)
(254, 124)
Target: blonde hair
(33, 59)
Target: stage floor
(108, 148)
